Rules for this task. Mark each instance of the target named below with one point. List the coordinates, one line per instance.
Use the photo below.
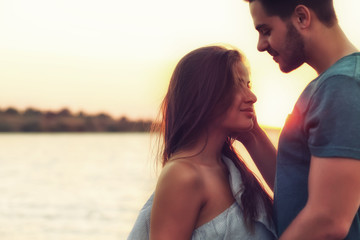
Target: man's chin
(289, 68)
(286, 70)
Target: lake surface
(75, 186)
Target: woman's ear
(302, 16)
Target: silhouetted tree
(33, 120)
(81, 115)
(11, 111)
(30, 112)
(64, 113)
(103, 116)
(6, 127)
(33, 126)
(50, 115)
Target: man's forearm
(332, 203)
(263, 153)
(311, 225)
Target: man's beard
(294, 50)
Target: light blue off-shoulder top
(228, 225)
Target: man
(317, 185)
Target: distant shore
(33, 120)
(63, 120)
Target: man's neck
(326, 46)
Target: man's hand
(261, 150)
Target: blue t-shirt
(325, 122)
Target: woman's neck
(206, 150)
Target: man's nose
(262, 44)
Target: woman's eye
(249, 84)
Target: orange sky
(116, 56)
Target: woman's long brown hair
(201, 89)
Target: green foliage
(31, 126)
(5, 127)
(33, 120)
(11, 111)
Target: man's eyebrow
(260, 26)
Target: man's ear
(302, 16)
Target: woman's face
(240, 115)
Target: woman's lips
(248, 111)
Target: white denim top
(227, 225)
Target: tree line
(33, 120)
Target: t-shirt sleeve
(333, 119)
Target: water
(74, 186)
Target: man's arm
(334, 199)
(262, 151)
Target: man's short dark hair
(324, 9)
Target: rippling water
(73, 186)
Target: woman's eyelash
(248, 84)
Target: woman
(205, 191)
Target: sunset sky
(117, 56)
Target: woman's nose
(250, 96)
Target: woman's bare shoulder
(181, 172)
(179, 198)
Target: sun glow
(277, 93)
(117, 56)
